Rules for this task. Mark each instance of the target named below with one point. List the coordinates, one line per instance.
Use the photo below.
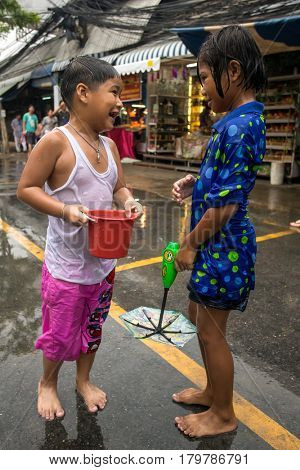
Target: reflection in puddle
(162, 221)
(221, 442)
(20, 299)
(11, 168)
(89, 434)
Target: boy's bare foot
(93, 396)
(193, 396)
(49, 406)
(206, 424)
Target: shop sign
(132, 90)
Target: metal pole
(56, 91)
(5, 145)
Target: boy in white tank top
(72, 170)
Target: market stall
(179, 120)
(129, 131)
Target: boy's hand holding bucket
(132, 205)
(76, 214)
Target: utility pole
(5, 146)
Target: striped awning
(138, 58)
(140, 66)
(59, 66)
(108, 58)
(167, 49)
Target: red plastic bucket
(109, 236)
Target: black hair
(234, 43)
(88, 70)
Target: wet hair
(234, 43)
(88, 70)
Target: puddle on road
(89, 434)
(11, 168)
(20, 299)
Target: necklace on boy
(97, 150)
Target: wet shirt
(224, 267)
(31, 122)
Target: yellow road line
(270, 236)
(19, 237)
(261, 424)
(138, 264)
(38, 252)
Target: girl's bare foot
(193, 396)
(93, 396)
(49, 406)
(208, 423)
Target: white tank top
(66, 255)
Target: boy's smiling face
(107, 103)
(102, 104)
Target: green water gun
(169, 272)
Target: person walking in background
(62, 113)
(49, 122)
(30, 123)
(16, 125)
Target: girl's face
(103, 105)
(215, 102)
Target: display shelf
(284, 78)
(279, 134)
(279, 158)
(280, 121)
(170, 96)
(274, 107)
(170, 162)
(279, 147)
(281, 93)
(166, 166)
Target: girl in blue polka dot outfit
(221, 246)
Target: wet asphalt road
(139, 382)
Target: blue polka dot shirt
(224, 267)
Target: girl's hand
(75, 214)
(183, 188)
(131, 205)
(185, 258)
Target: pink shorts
(72, 316)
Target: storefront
(141, 69)
(179, 120)
(130, 129)
(279, 41)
